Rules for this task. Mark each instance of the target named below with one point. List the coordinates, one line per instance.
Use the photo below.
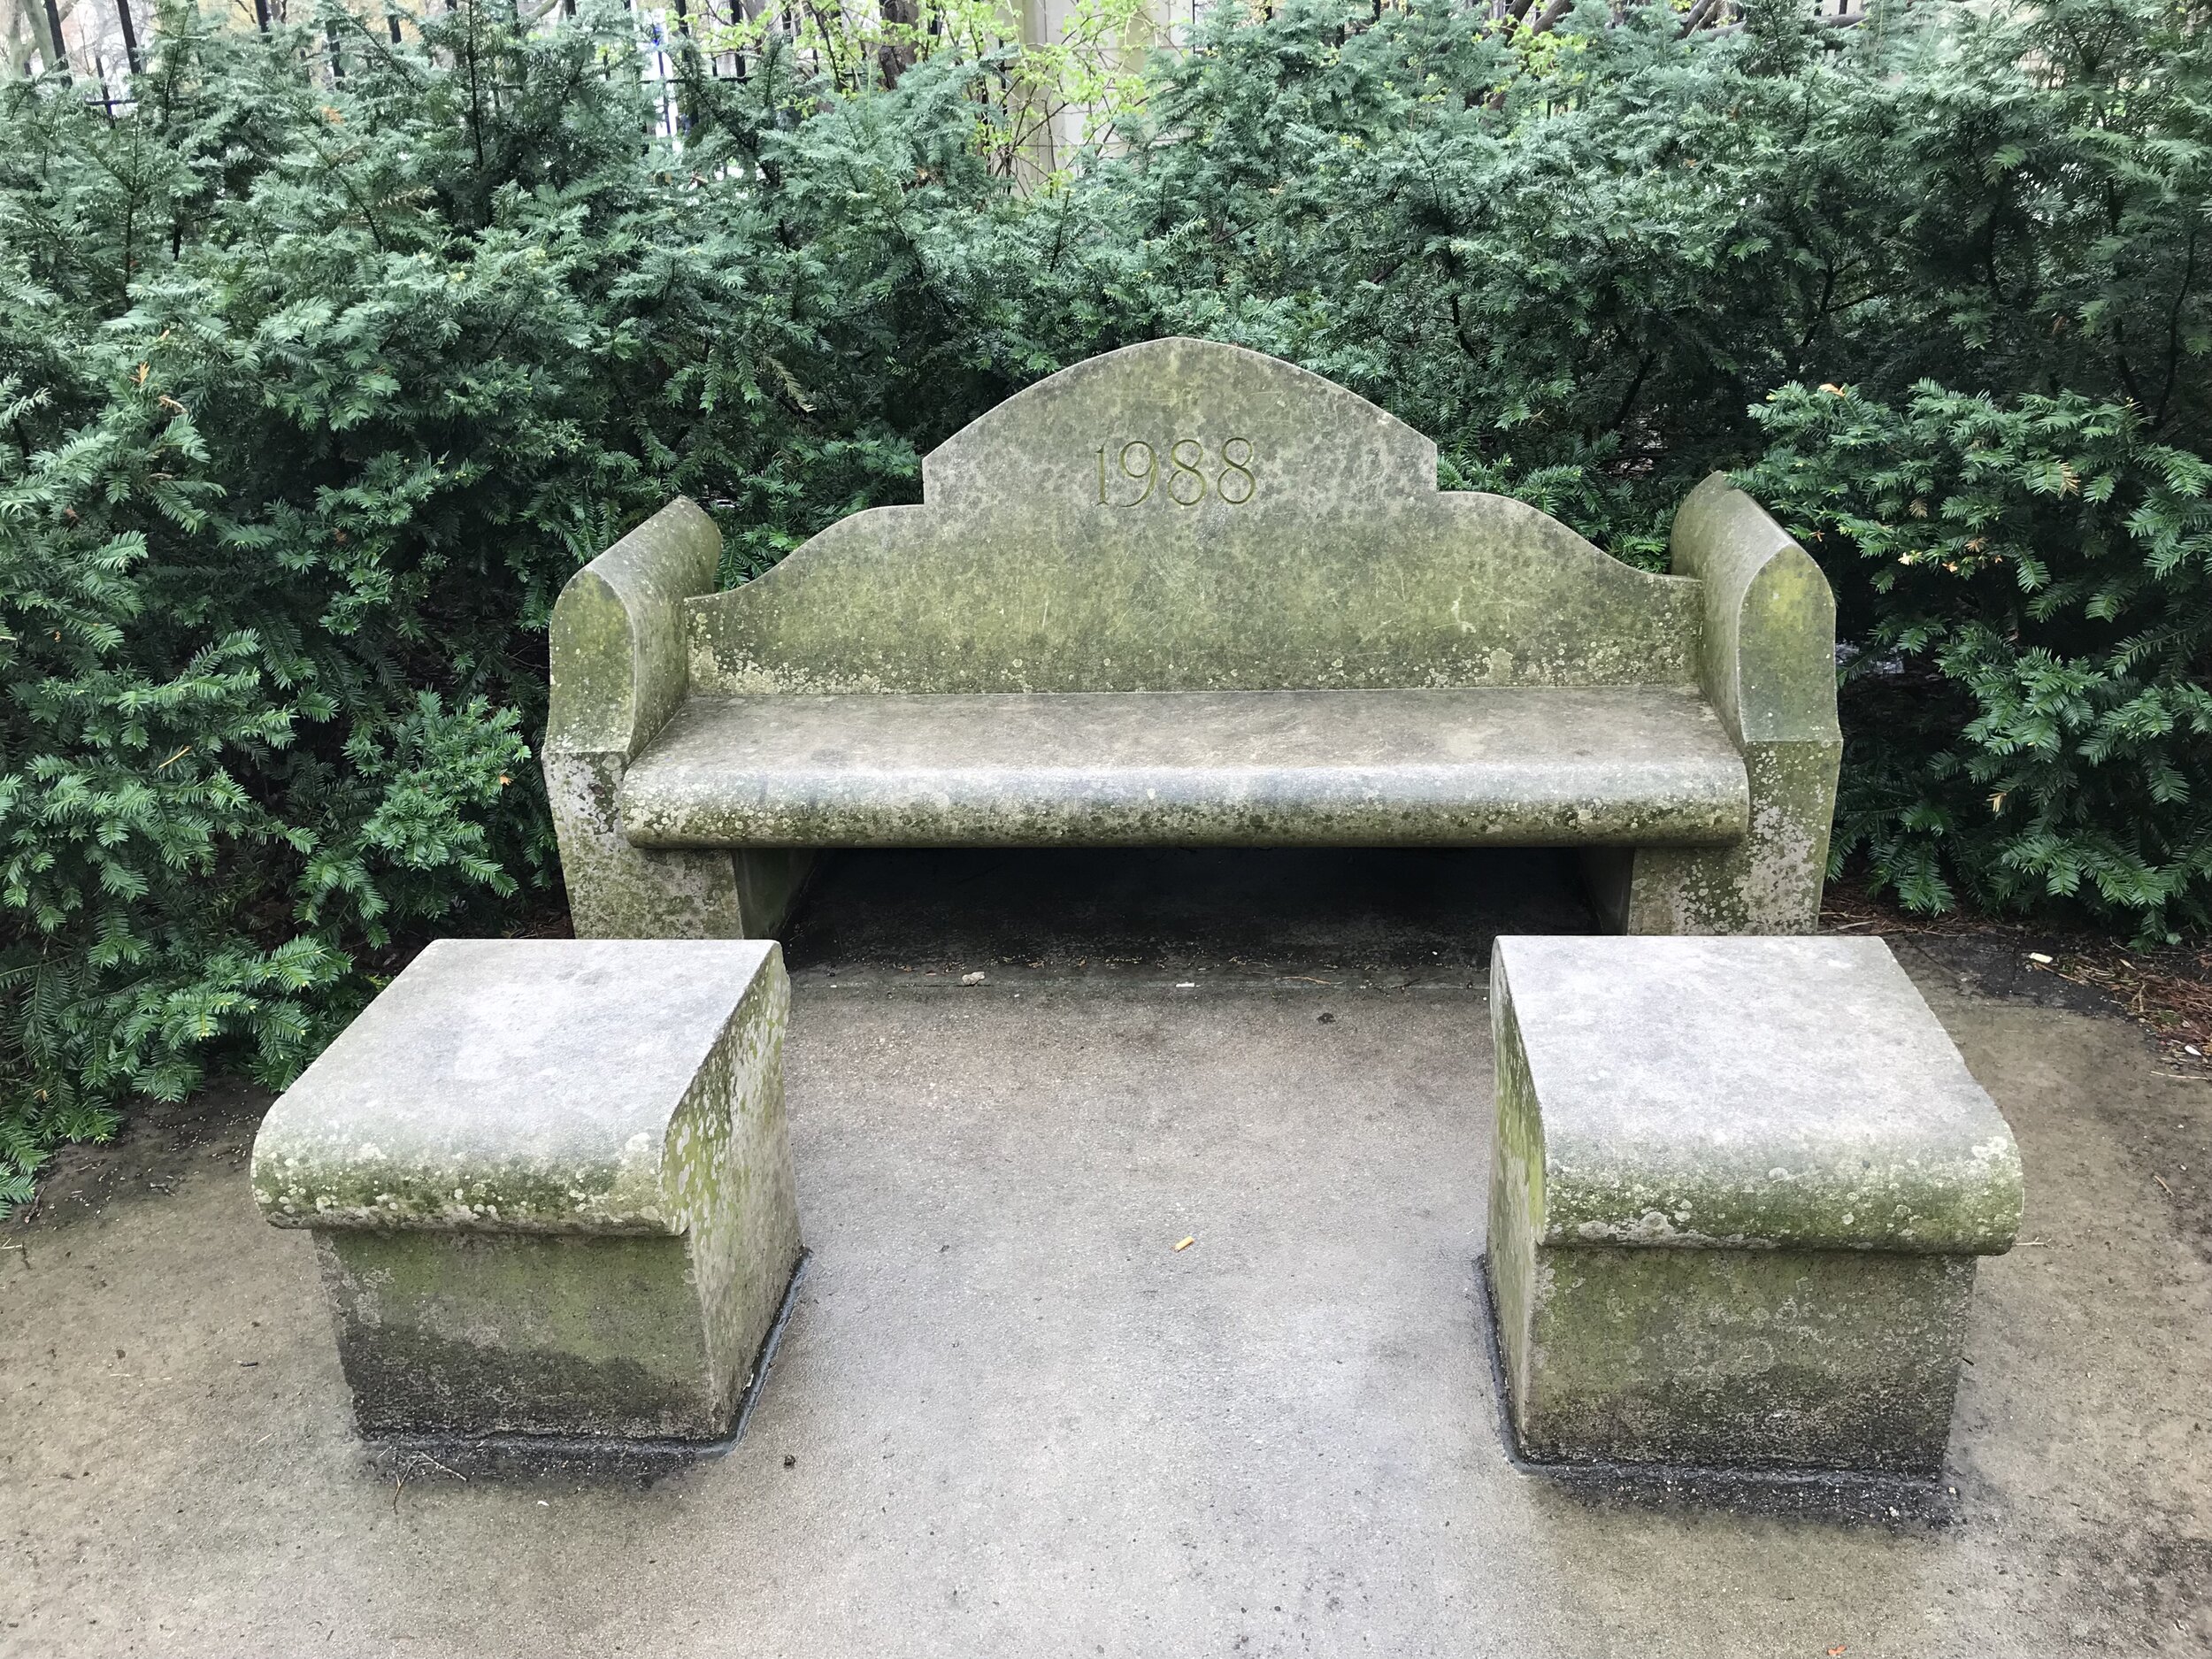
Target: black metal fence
(105, 60)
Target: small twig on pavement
(435, 1464)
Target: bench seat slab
(1524, 766)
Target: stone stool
(1738, 1187)
(550, 1185)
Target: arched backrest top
(1204, 411)
(1184, 515)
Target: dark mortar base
(1843, 1496)
(422, 1457)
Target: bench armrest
(621, 665)
(1767, 662)
(1769, 659)
(619, 661)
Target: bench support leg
(618, 891)
(1770, 882)
(769, 882)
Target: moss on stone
(1736, 1190)
(552, 1185)
(1280, 535)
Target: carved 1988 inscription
(1185, 475)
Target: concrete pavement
(1010, 1418)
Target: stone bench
(1184, 594)
(1738, 1190)
(551, 1188)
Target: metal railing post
(130, 34)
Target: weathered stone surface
(1768, 664)
(617, 652)
(1182, 521)
(1331, 559)
(617, 668)
(551, 1185)
(1529, 767)
(1736, 1190)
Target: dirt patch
(2167, 992)
(2163, 1120)
(157, 1145)
(2167, 1136)
(2144, 1576)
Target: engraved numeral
(1233, 467)
(1182, 493)
(1150, 473)
(1186, 484)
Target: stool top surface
(511, 1085)
(1748, 1092)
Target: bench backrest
(1183, 515)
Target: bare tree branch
(1553, 12)
(1698, 13)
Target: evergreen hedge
(312, 394)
